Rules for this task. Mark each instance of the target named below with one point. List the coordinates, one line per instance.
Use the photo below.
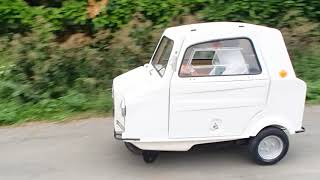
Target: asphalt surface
(86, 149)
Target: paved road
(86, 150)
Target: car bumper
(118, 136)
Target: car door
(220, 86)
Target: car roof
(218, 27)
(267, 41)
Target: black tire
(255, 141)
(132, 148)
(150, 156)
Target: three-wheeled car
(208, 83)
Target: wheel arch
(275, 126)
(264, 123)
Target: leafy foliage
(56, 61)
(15, 16)
(45, 70)
(307, 66)
(274, 13)
(18, 16)
(116, 14)
(160, 12)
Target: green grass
(307, 67)
(313, 93)
(72, 105)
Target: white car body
(174, 113)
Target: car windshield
(162, 55)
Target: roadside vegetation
(58, 58)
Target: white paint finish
(285, 107)
(173, 113)
(147, 101)
(137, 78)
(273, 48)
(195, 103)
(178, 144)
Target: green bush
(269, 13)
(160, 12)
(15, 16)
(18, 16)
(44, 74)
(115, 15)
(307, 67)
(46, 70)
(307, 64)
(313, 94)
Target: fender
(258, 124)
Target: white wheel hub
(270, 147)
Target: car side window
(162, 55)
(220, 58)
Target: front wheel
(150, 156)
(269, 146)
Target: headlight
(123, 108)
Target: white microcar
(208, 83)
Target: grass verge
(74, 105)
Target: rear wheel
(269, 146)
